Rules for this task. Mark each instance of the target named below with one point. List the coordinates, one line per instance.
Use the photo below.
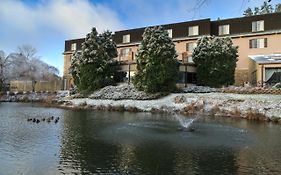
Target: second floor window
(170, 33)
(224, 30)
(125, 52)
(257, 26)
(193, 31)
(191, 46)
(126, 38)
(73, 46)
(258, 43)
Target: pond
(91, 142)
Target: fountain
(185, 123)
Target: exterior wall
(67, 78)
(244, 63)
(181, 48)
(240, 32)
(132, 54)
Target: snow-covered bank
(255, 107)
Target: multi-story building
(258, 39)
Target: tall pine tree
(157, 66)
(94, 68)
(216, 61)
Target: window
(126, 38)
(170, 33)
(257, 26)
(73, 46)
(224, 30)
(258, 43)
(191, 46)
(125, 52)
(193, 30)
(190, 59)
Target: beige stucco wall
(67, 78)
(243, 64)
(132, 55)
(181, 48)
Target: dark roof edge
(243, 17)
(75, 39)
(167, 24)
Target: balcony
(130, 57)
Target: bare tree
(4, 63)
(33, 68)
(25, 65)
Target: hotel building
(258, 39)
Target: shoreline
(256, 107)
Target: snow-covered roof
(265, 59)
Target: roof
(266, 59)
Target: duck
(34, 120)
(29, 119)
(56, 121)
(43, 119)
(52, 118)
(48, 120)
(37, 121)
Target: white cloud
(73, 18)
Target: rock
(180, 99)
(199, 89)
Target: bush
(157, 66)
(216, 61)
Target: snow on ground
(268, 105)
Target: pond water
(91, 142)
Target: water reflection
(88, 142)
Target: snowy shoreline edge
(258, 107)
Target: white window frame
(258, 26)
(73, 46)
(127, 38)
(191, 46)
(224, 29)
(258, 43)
(170, 32)
(193, 30)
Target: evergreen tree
(278, 8)
(248, 12)
(74, 69)
(216, 61)
(157, 66)
(256, 11)
(266, 8)
(93, 67)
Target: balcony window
(125, 52)
(258, 43)
(126, 38)
(193, 31)
(257, 26)
(191, 46)
(170, 33)
(224, 30)
(73, 46)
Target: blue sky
(46, 24)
